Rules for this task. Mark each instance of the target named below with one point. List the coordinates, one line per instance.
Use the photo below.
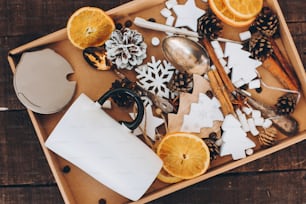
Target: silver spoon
(187, 55)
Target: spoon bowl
(186, 55)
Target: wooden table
(25, 176)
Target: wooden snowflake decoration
(154, 77)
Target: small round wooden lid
(41, 81)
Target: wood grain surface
(25, 176)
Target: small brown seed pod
(267, 136)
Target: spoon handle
(158, 101)
(284, 123)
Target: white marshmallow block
(216, 45)
(217, 48)
(155, 41)
(256, 114)
(243, 120)
(247, 110)
(267, 123)
(249, 151)
(169, 4)
(165, 12)
(170, 21)
(245, 35)
(252, 127)
(219, 53)
(254, 84)
(259, 121)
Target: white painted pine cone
(126, 48)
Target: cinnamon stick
(219, 89)
(224, 92)
(284, 64)
(226, 80)
(274, 68)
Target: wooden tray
(76, 186)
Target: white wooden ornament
(235, 140)
(187, 14)
(169, 4)
(165, 12)
(149, 123)
(202, 114)
(243, 67)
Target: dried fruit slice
(225, 15)
(244, 9)
(164, 176)
(184, 155)
(89, 27)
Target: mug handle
(140, 108)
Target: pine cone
(286, 104)
(209, 25)
(181, 82)
(213, 148)
(126, 48)
(123, 100)
(267, 136)
(267, 22)
(260, 47)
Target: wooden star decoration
(187, 14)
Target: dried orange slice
(225, 15)
(165, 177)
(89, 27)
(244, 9)
(184, 155)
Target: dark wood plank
(294, 13)
(22, 22)
(30, 195)
(298, 32)
(24, 173)
(21, 158)
(291, 158)
(294, 10)
(32, 17)
(276, 187)
(23, 163)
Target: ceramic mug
(93, 141)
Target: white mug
(93, 141)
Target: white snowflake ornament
(154, 77)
